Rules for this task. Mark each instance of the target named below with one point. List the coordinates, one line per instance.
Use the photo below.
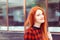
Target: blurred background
(14, 12)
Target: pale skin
(39, 19)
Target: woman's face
(39, 17)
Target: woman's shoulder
(28, 30)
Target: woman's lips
(42, 19)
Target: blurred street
(11, 36)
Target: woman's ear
(50, 36)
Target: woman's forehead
(39, 11)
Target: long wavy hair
(31, 19)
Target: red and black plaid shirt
(33, 33)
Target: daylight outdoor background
(12, 17)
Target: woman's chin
(42, 21)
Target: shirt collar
(36, 27)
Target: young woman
(37, 25)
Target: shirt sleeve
(28, 36)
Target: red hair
(30, 21)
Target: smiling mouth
(42, 19)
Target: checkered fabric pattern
(33, 33)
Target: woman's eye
(37, 15)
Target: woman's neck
(37, 25)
